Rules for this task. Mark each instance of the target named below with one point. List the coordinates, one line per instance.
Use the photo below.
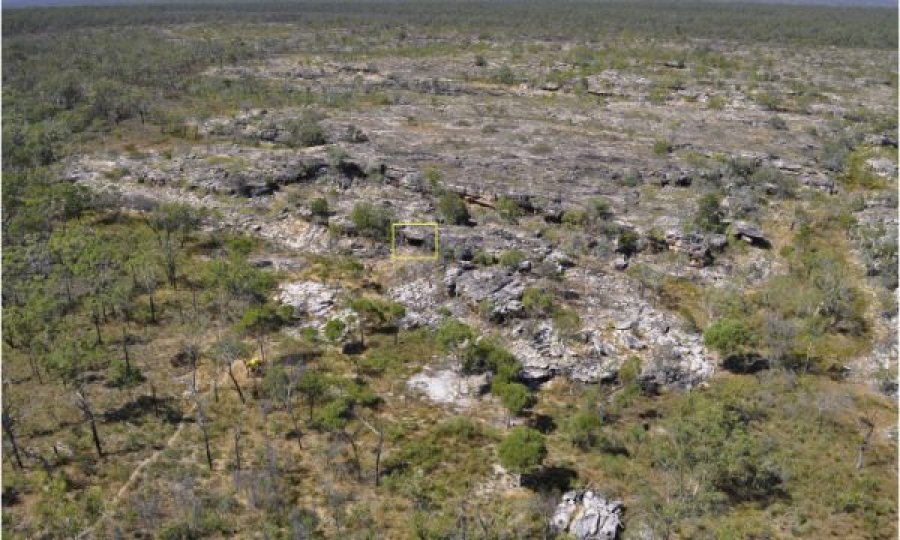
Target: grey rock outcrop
(420, 297)
(586, 515)
(448, 386)
(750, 233)
(700, 248)
(500, 288)
(308, 298)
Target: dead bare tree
(379, 432)
(869, 427)
(84, 405)
(350, 438)
(237, 448)
(125, 348)
(201, 421)
(293, 378)
(227, 352)
(8, 425)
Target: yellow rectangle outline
(396, 257)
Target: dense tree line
(811, 25)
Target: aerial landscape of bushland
(449, 270)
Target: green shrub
(662, 147)
(483, 258)
(770, 101)
(537, 301)
(575, 217)
(785, 186)
(433, 177)
(566, 321)
(858, 174)
(711, 437)
(514, 396)
(334, 329)
(583, 429)
(716, 103)
(451, 334)
(453, 209)
(509, 209)
(709, 216)
(627, 243)
(305, 131)
(319, 207)
(630, 370)
(729, 337)
(599, 209)
(124, 376)
(523, 450)
(777, 123)
(371, 221)
(505, 75)
(487, 354)
(512, 258)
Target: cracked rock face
(588, 516)
(448, 386)
(420, 297)
(308, 298)
(500, 288)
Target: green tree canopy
(729, 337)
(453, 209)
(523, 450)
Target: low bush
(512, 258)
(509, 209)
(371, 221)
(453, 209)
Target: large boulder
(586, 515)
(420, 297)
(449, 386)
(500, 289)
(700, 248)
(600, 364)
(540, 350)
(750, 233)
(308, 298)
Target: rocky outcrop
(420, 297)
(700, 248)
(587, 515)
(495, 291)
(750, 233)
(308, 298)
(448, 386)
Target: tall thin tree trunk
(8, 429)
(864, 445)
(95, 317)
(259, 340)
(203, 428)
(96, 437)
(155, 402)
(152, 309)
(355, 449)
(236, 385)
(89, 416)
(125, 350)
(237, 449)
(34, 368)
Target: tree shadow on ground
(543, 423)
(745, 363)
(550, 479)
(138, 408)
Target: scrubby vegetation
(160, 380)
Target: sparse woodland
(667, 269)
